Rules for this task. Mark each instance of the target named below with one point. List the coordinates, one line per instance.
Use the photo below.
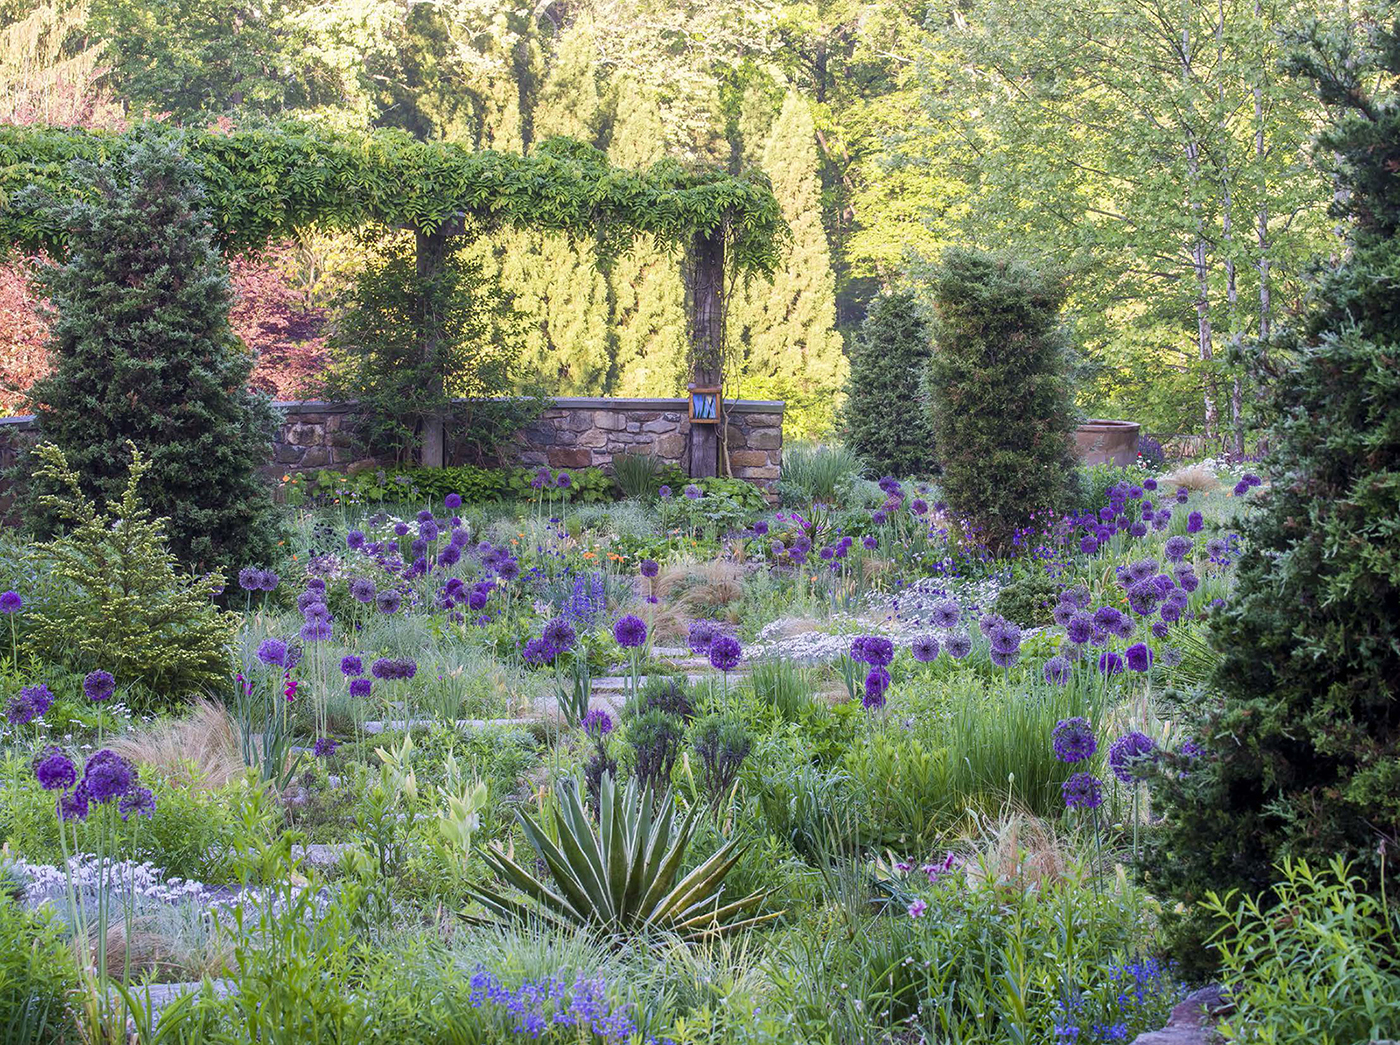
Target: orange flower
(589, 555)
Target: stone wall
(570, 433)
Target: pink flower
(917, 909)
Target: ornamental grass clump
(114, 595)
(624, 876)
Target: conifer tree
(785, 327)
(645, 292)
(885, 417)
(1299, 755)
(144, 353)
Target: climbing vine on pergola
(268, 183)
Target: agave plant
(622, 878)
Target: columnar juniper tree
(144, 353)
(999, 390)
(1301, 757)
(885, 417)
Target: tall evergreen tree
(999, 390)
(1301, 753)
(644, 285)
(144, 353)
(784, 328)
(885, 416)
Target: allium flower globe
(1073, 740)
(1082, 791)
(925, 649)
(630, 631)
(99, 685)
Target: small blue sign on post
(704, 404)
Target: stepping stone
(375, 727)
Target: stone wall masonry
(577, 432)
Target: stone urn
(1107, 442)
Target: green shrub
(721, 743)
(1302, 742)
(114, 597)
(475, 485)
(144, 353)
(885, 418)
(37, 979)
(815, 473)
(999, 389)
(1327, 973)
(1030, 599)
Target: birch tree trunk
(1198, 250)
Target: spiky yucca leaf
(621, 878)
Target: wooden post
(706, 320)
(430, 257)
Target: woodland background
(1154, 151)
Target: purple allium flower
(876, 683)
(272, 652)
(597, 723)
(1195, 522)
(1063, 613)
(73, 805)
(1004, 637)
(1241, 488)
(1073, 739)
(650, 568)
(877, 651)
(139, 801)
(700, 635)
(268, 581)
(99, 685)
(827, 554)
(1138, 529)
(1149, 484)
(388, 601)
(453, 501)
(1188, 580)
(537, 651)
(355, 540)
(925, 649)
(879, 516)
(509, 569)
(1160, 628)
(1057, 671)
(560, 634)
(630, 631)
(890, 485)
(563, 480)
(958, 645)
(55, 771)
(1107, 617)
(1182, 495)
(725, 653)
(1089, 544)
(351, 665)
(945, 614)
(870, 543)
(1177, 547)
(325, 747)
(360, 687)
(316, 610)
(665, 492)
(760, 527)
(362, 589)
(693, 492)
(1110, 663)
(316, 630)
(1128, 752)
(249, 578)
(107, 776)
(476, 599)
(11, 602)
(401, 529)
(1004, 658)
(1142, 569)
(1250, 479)
(1082, 791)
(919, 506)
(1134, 492)
(1138, 656)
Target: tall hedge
(886, 420)
(144, 352)
(999, 390)
(1302, 743)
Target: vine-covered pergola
(265, 184)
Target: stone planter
(1107, 442)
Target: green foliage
(721, 743)
(409, 342)
(1326, 973)
(144, 353)
(783, 685)
(37, 979)
(114, 597)
(1030, 599)
(885, 418)
(999, 390)
(1302, 743)
(814, 473)
(473, 484)
(1089, 493)
(638, 475)
(269, 182)
(623, 878)
(655, 736)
